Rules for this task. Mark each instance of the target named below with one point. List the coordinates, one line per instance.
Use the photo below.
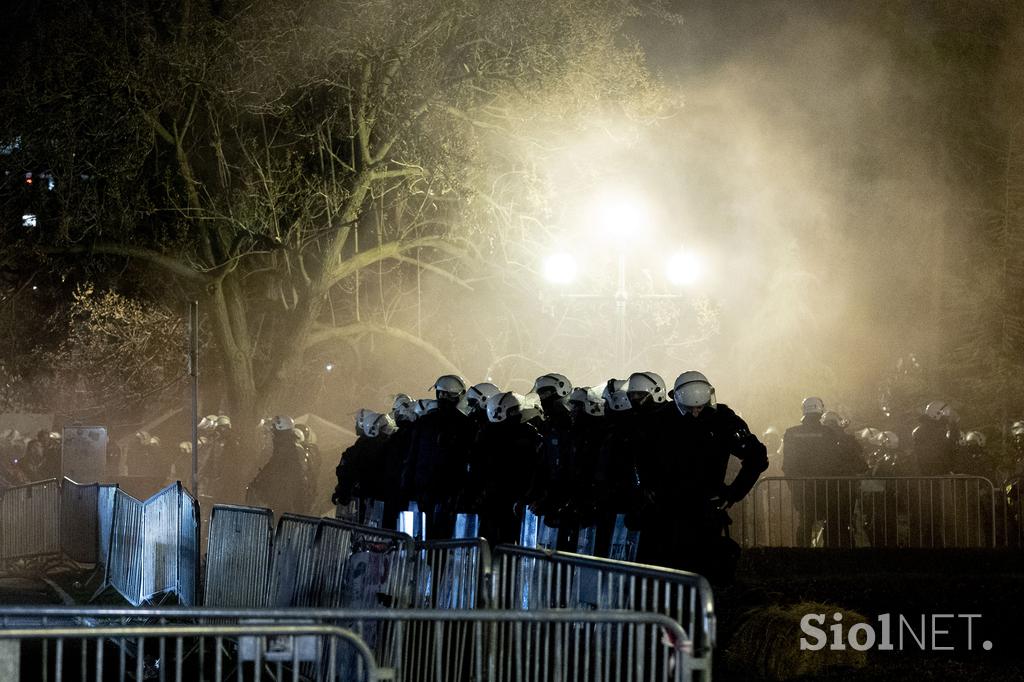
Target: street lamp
(620, 219)
(560, 268)
(684, 268)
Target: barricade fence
(436, 645)
(530, 579)
(30, 520)
(879, 512)
(56, 518)
(194, 652)
(154, 546)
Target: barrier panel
(451, 574)
(238, 557)
(211, 652)
(380, 569)
(554, 646)
(532, 579)
(153, 546)
(105, 519)
(849, 512)
(30, 520)
(291, 570)
(127, 546)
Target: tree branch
(172, 265)
(393, 250)
(326, 334)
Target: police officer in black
(505, 456)
(934, 441)
(437, 463)
(818, 451)
(686, 480)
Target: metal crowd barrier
(852, 512)
(238, 557)
(531, 579)
(154, 546)
(54, 518)
(30, 520)
(555, 646)
(210, 652)
(452, 574)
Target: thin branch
(169, 264)
(327, 334)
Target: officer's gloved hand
(720, 503)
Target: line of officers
(578, 456)
(821, 446)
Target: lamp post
(621, 220)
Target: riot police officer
(686, 481)
(815, 450)
(437, 463)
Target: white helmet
(934, 409)
(1017, 428)
(591, 401)
(532, 406)
(378, 424)
(478, 394)
(362, 419)
(223, 420)
(975, 438)
(450, 383)
(950, 415)
(424, 406)
(889, 439)
(403, 408)
(559, 382)
(300, 435)
(208, 422)
(501, 406)
(185, 447)
(649, 383)
(610, 387)
(833, 419)
(283, 423)
(812, 405)
(692, 389)
(619, 402)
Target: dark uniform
(814, 450)
(934, 447)
(685, 477)
(505, 457)
(282, 483)
(437, 463)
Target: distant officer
(282, 484)
(813, 450)
(934, 440)
(686, 481)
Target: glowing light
(684, 268)
(28, 220)
(560, 268)
(329, 367)
(620, 216)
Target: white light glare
(684, 268)
(329, 367)
(560, 268)
(621, 216)
(28, 220)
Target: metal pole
(193, 371)
(621, 296)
